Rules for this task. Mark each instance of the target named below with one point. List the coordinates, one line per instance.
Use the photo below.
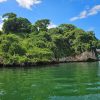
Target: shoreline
(83, 57)
(40, 64)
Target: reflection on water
(72, 81)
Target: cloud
(1, 23)
(94, 10)
(28, 3)
(82, 15)
(89, 12)
(2, 1)
(52, 25)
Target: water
(72, 81)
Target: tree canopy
(23, 41)
(16, 24)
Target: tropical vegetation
(24, 42)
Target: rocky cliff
(85, 56)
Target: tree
(55, 31)
(11, 48)
(23, 25)
(34, 29)
(9, 15)
(67, 27)
(16, 25)
(42, 24)
(9, 25)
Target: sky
(84, 14)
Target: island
(24, 43)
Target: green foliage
(42, 25)
(35, 43)
(67, 27)
(34, 29)
(9, 15)
(55, 31)
(39, 54)
(16, 25)
(10, 46)
(1, 32)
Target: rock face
(85, 56)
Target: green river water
(71, 81)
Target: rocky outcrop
(85, 56)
